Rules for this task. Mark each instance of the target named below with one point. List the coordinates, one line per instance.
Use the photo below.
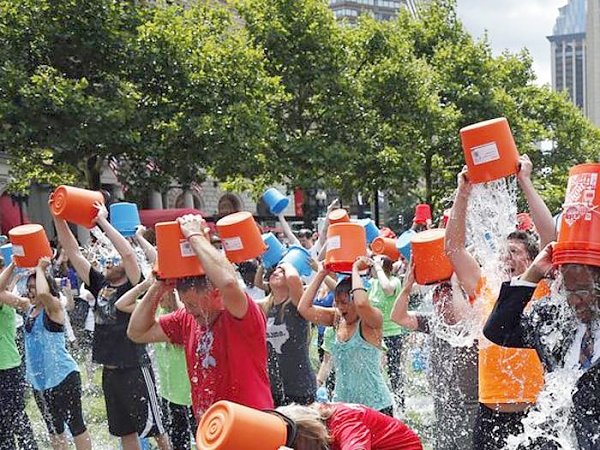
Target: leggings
(180, 424)
(14, 423)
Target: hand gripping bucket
(579, 235)
(490, 150)
(75, 205)
(345, 243)
(176, 258)
(422, 213)
(338, 216)
(298, 257)
(429, 257)
(240, 237)
(29, 244)
(125, 218)
(404, 245)
(275, 251)
(229, 426)
(275, 200)
(6, 250)
(371, 229)
(387, 247)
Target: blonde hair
(312, 431)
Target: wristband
(358, 289)
(195, 233)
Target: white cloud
(513, 25)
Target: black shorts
(131, 402)
(62, 404)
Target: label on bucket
(232, 244)
(18, 250)
(334, 242)
(579, 201)
(186, 248)
(485, 153)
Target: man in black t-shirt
(132, 408)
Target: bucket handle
(292, 428)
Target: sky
(514, 24)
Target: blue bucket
(275, 251)
(403, 243)
(298, 257)
(370, 228)
(6, 251)
(125, 218)
(275, 200)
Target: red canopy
(10, 214)
(150, 217)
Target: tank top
(290, 371)
(358, 373)
(47, 360)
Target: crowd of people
(243, 333)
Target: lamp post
(321, 198)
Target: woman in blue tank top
(358, 347)
(51, 370)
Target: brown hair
(310, 421)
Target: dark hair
(387, 264)
(248, 270)
(344, 286)
(198, 283)
(54, 290)
(528, 240)
(305, 233)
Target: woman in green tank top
(357, 348)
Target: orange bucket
(345, 243)
(29, 244)
(240, 237)
(490, 150)
(75, 205)
(229, 426)
(176, 258)
(429, 257)
(387, 247)
(339, 215)
(579, 235)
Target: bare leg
(59, 441)
(83, 441)
(130, 442)
(163, 442)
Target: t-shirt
(356, 427)
(172, 371)
(506, 375)
(385, 304)
(111, 346)
(226, 360)
(9, 355)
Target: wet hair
(248, 270)
(387, 264)
(198, 283)
(528, 240)
(54, 289)
(305, 233)
(312, 431)
(344, 286)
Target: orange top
(507, 375)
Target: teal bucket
(403, 243)
(125, 218)
(298, 257)
(275, 251)
(7, 252)
(275, 200)
(370, 229)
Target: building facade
(593, 61)
(568, 52)
(349, 10)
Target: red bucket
(579, 236)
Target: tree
(65, 103)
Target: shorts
(131, 402)
(62, 404)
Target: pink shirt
(226, 361)
(356, 427)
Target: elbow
(134, 333)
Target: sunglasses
(112, 260)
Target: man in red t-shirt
(221, 329)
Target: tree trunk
(428, 180)
(92, 169)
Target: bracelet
(195, 233)
(352, 291)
